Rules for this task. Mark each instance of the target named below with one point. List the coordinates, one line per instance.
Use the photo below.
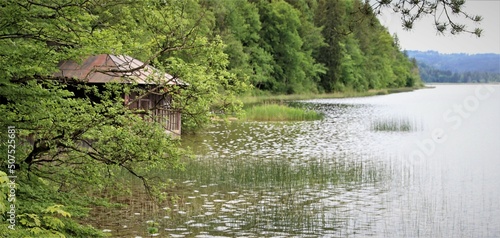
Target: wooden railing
(169, 119)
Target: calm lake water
(431, 170)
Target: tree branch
(412, 10)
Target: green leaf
(29, 220)
(57, 209)
(52, 223)
(37, 230)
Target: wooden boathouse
(156, 103)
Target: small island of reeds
(279, 112)
(394, 125)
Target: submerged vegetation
(220, 196)
(259, 173)
(276, 112)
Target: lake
(418, 164)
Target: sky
(424, 36)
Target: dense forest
(457, 68)
(300, 46)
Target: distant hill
(457, 68)
(458, 62)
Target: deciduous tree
(76, 145)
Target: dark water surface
(438, 175)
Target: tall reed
(394, 124)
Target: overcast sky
(423, 36)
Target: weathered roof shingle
(105, 68)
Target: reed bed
(276, 196)
(276, 173)
(276, 112)
(400, 124)
(240, 196)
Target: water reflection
(345, 130)
(339, 177)
(275, 198)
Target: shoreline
(252, 100)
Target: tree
(76, 145)
(238, 24)
(330, 15)
(353, 65)
(294, 69)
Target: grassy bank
(267, 107)
(268, 98)
(276, 112)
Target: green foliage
(311, 46)
(33, 218)
(331, 16)
(4, 191)
(39, 210)
(294, 68)
(212, 89)
(73, 141)
(152, 227)
(381, 64)
(46, 225)
(57, 209)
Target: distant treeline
(299, 46)
(457, 68)
(458, 62)
(431, 74)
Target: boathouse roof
(105, 68)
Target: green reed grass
(273, 192)
(276, 112)
(276, 173)
(394, 124)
